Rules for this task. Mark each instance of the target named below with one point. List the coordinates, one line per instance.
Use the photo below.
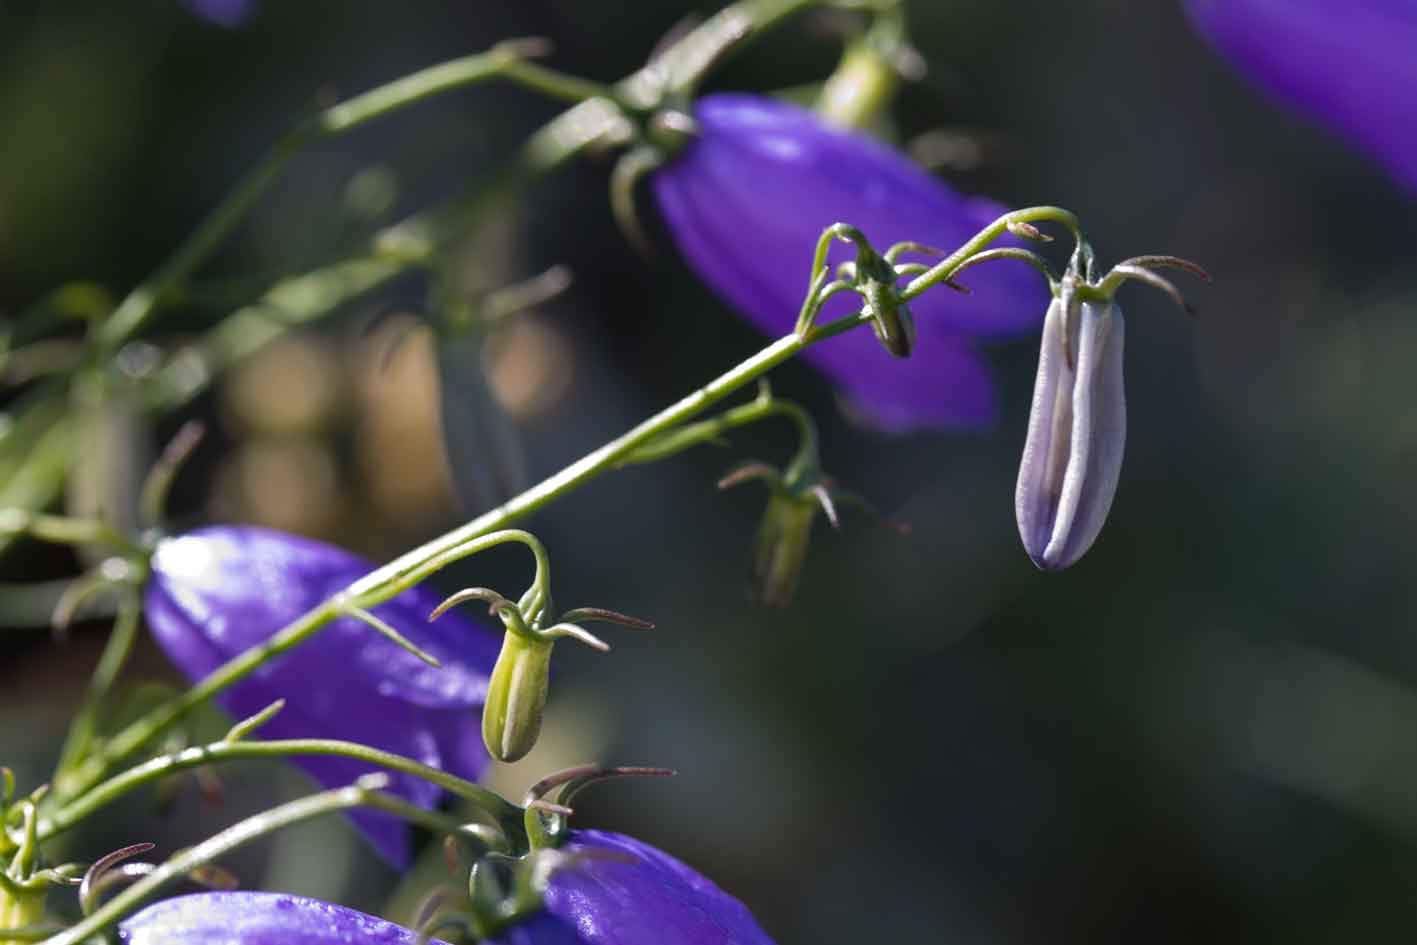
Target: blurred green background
(1205, 731)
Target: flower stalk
(408, 569)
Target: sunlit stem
(364, 794)
(820, 273)
(62, 530)
(411, 567)
(501, 812)
(115, 654)
(369, 593)
(947, 267)
(708, 431)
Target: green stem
(62, 530)
(392, 252)
(685, 62)
(947, 267)
(705, 431)
(504, 60)
(238, 835)
(411, 567)
(502, 812)
(115, 654)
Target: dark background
(1202, 732)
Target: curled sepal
(546, 824)
(1076, 432)
(516, 689)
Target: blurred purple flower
(1351, 65)
(228, 13)
(637, 895)
(746, 201)
(220, 590)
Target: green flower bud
(19, 907)
(516, 696)
(781, 546)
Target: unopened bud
(516, 696)
(1076, 432)
(781, 546)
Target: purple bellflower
(1348, 65)
(747, 199)
(218, 591)
(622, 892)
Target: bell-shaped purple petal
(621, 892)
(1349, 64)
(1077, 433)
(258, 918)
(221, 590)
(629, 893)
(746, 201)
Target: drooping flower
(1077, 428)
(1350, 65)
(746, 201)
(1077, 433)
(220, 590)
(623, 892)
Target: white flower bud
(1076, 432)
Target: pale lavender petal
(1349, 64)
(1072, 457)
(218, 591)
(258, 918)
(1099, 436)
(746, 201)
(1045, 456)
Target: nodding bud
(516, 696)
(1076, 432)
(781, 546)
(891, 320)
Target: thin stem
(392, 252)
(140, 732)
(115, 654)
(503, 60)
(62, 530)
(238, 835)
(501, 811)
(943, 270)
(411, 567)
(685, 62)
(540, 585)
(676, 441)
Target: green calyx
(517, 689)
(516, 697)
(19, 909)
